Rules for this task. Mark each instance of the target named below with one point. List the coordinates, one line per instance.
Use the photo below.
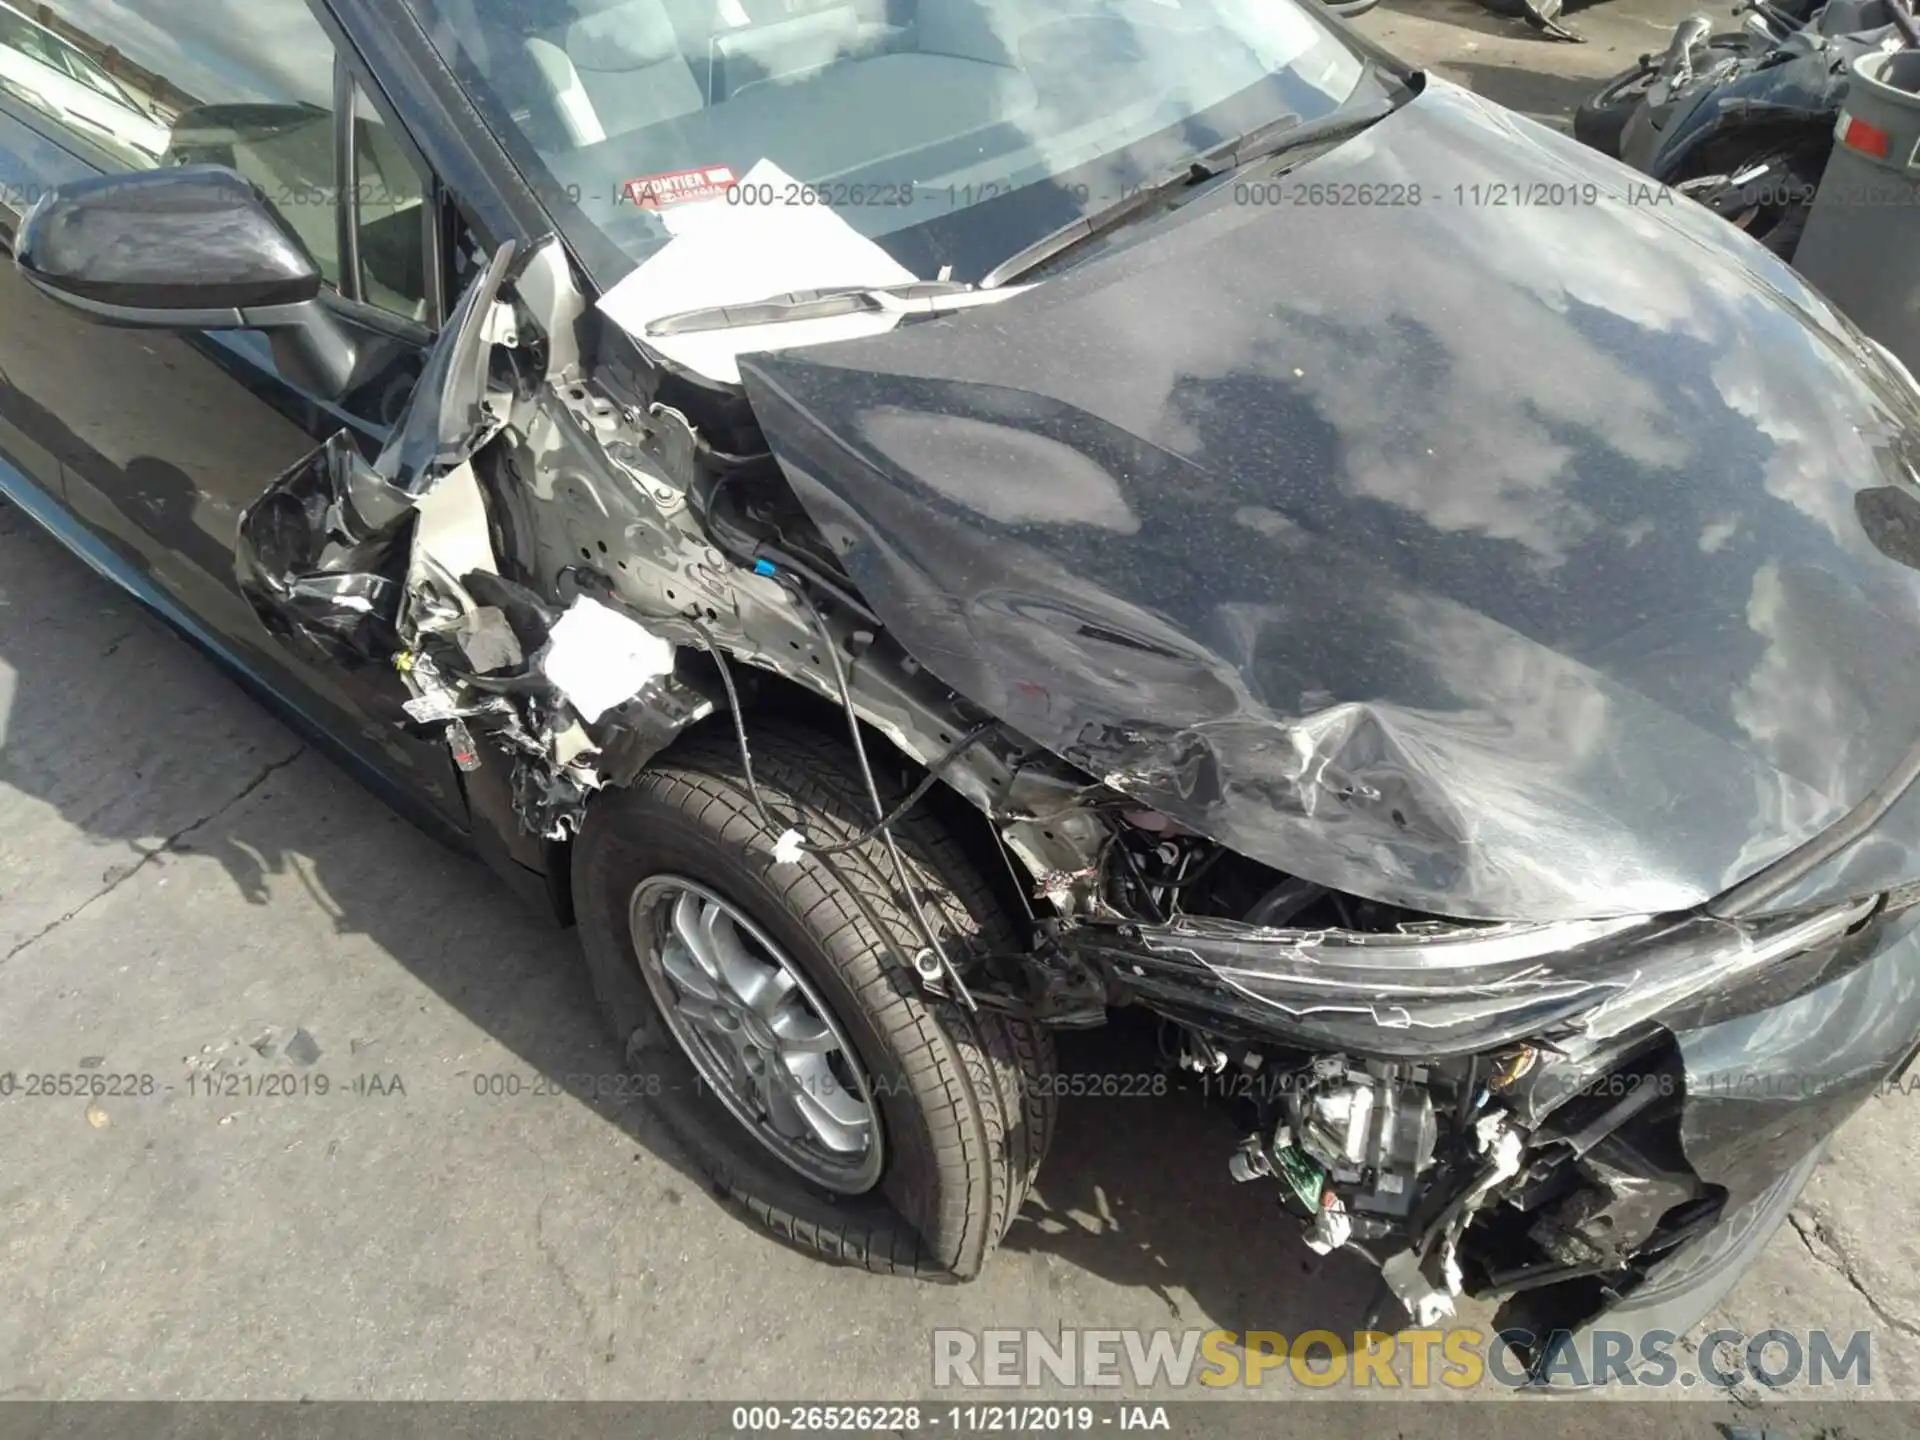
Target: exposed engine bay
(565, 583)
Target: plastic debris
(1331, 1226)
(488, 641)
(598, 657)
(1425, 1303)
(429, 709)
(466, 754)
(786, 850)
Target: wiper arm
(1276, 137)
(914, 297)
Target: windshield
(948, 133)
(43, 47)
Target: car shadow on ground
(1136, 1190)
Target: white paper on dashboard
(725, 252)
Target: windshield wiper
(912, 297)
(1277, 137)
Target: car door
(146, 447)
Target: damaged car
(920, 523)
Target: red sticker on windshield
(677, 187)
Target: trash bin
(1863, 234)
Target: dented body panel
(1508, 591)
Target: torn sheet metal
(389, 566)
(1305, 554)
(322, 557)
(548, 801)
(327, 555)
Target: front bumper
(1778, 1030)
(1680, 1291)
(1765, 1090)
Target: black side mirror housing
(187, 248)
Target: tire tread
(987, 1122)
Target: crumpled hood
(1490, 533)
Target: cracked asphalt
(193, 902)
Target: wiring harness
(933, 962)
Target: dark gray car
(920, 524)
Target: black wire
(873, 793)
(883, 819)
(748, 548)
(1156, 915)
(918, 793)
(1198, 873)
(767, 816)
(820, 582)
(1377, 1305)
(772, 821)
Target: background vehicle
(1744, 124)
(1692, 58)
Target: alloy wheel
(758, 1034)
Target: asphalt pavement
(187, 893)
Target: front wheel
(776, 1021)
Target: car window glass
(53, 76)
(391, 217)
(91, 75)
(879, 120)
(242, 83)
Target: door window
(390, 219)
(243, 83)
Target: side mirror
(187, 248)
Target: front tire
(965, 1107)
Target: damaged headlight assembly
(1439, 1070)
(1434, 989)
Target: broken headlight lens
(1440, 989)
